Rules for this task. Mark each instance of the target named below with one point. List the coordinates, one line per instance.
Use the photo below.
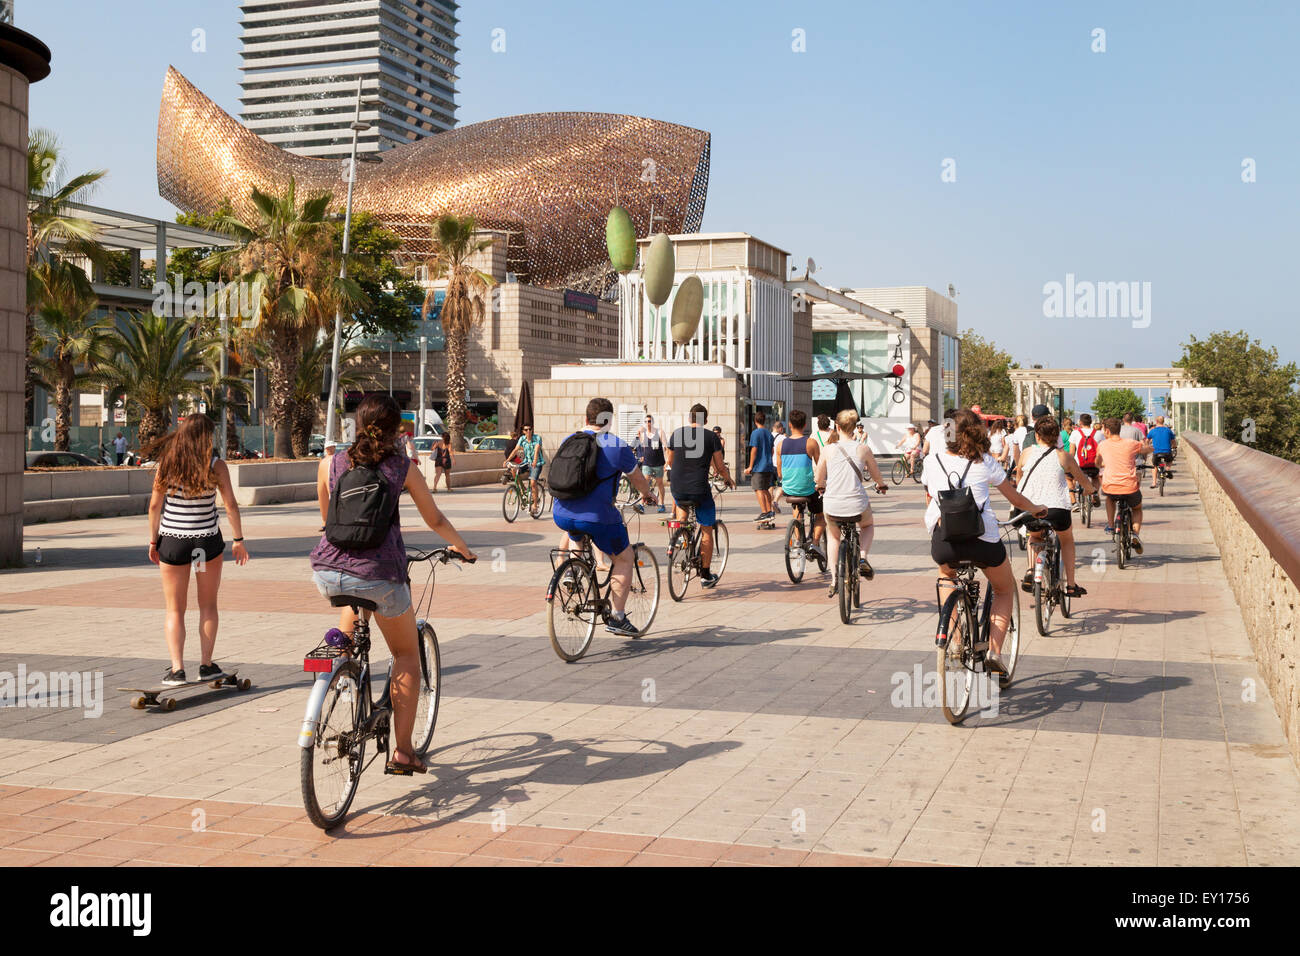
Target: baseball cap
(1040, 411)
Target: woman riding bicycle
(1046, 468)
(841, 480)
(966, 462)
(379, 574)
(184, 531)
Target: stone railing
(1249, 500)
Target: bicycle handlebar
(441, 555)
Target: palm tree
(154, 361)
(316, 358)
(454, 244)
(67, 336)
(286, 252)
(50, 219)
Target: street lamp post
(222, 450)
(419, 425)
(358, 127)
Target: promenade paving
(750, 726)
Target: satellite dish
(812, 266)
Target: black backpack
(960, 519)
(573, 469)
(361, 510)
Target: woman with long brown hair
(966, 462)
(184, 532)
(379, 574)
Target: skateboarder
(184, 532)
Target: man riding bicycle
(910, 445)
(586, 507)
(1084, 441)
(529, 450)
(1118, 458)
(692, 451)
(796, 463)
(1163, 446)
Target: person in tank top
(841, 473)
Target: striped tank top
(184, 517)
(796, 467)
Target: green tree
(1256, 388)
(984, 378)
(1115, 402)
(316, 359)
(286, 253)
(454, 244)
(392, 296)
(67, 337)
(156, 360)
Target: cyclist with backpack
(958, 483)
(693, 451)
(1084, 442)
(362, 553)
(584, 480)
(1046, 470)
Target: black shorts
(178, 551)
(1058, 518)
(814, 502)
(1134, 500)
(762, 480)
(1162, 457)
(982, 554)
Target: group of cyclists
(826, 466)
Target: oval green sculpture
(687, 306)
(660, 267)
(620, 239)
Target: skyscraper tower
(302, 60)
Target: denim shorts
(392, 598)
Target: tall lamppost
(358, 128)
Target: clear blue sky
(1115, 166)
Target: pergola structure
(1035, 386)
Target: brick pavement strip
(750, 727)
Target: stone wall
(1267, 596)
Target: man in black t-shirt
(692, 451)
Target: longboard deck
(160, 695)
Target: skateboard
(158, 696)
(765, 524)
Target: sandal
(405, 769)
(1074, 591)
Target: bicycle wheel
(1121, 543)
(721, 549)
(1160, 481)
(537, 503)
(898, 472)
(796, 559)
(1064, 601)
(847, 573)
(1085, 509)
(571, 609)
(643, 598)
(426, 706)
(916, 473)
(681, 563)
(330, 768)
(1010, 655)
(952, 663)
(510, 503)
(1043, 602)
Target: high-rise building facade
(302, 60)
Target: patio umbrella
(844, 396)
(524, 413)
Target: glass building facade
(853, 351)
(949, 360)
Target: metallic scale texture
(548, 179)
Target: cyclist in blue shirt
(595, 516)
(762, 470)
(1163, 445)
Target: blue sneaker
(1110, 529)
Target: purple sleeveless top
(384, 563)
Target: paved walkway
(749, 726)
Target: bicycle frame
(370, 710)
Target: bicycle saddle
(348, 600)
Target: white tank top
(184, 517)
(845, 494)
(1046, 485)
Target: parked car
(491, 443)
(58, 459)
